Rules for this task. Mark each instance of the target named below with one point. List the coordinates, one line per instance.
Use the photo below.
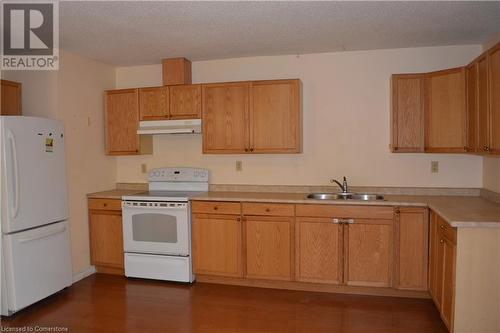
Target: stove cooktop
(162, 196)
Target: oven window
(152, 227)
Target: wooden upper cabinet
(472, 101)
(494, 98)
(275, 117)
(225, 117)
(407, 112)
(11, 98)
(185, 101)
(153, 103)
(445, 111)
(252, 117)
(483, 110)
(319, 252)
(176, 71)
(412, 248)
(368, 253)
(122, 121)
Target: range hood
(181, 126)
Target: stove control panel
(178, 175)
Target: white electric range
(157, 225)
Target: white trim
(82, 275)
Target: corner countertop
(459, 211)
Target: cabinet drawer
(105, 204)
(250, 208)
(446, 230)
(216, 207)
(352, 211)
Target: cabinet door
(269, 247)
(472, 123)
(217, 244)
(185, 102)
(412, 248)
(106, 238)
(433, 256)
(11, 98)
(482, 105)
(122, 120)
(275, 117)
(225, 117)
(318, 250)
(368, 253)
(153, 103)
(448, 298)
(407, 112)
(494, 96)
(445, 111)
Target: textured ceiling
(143, 32)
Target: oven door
(156, 227)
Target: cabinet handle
(349, 221)
(105, 204)
(486, 148)
(251, 149)
(246, 149)
(442, 226)
(441, 241)
(268, 210)
(238, 219)
(336, 221)
(215, 208)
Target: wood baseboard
(315, 287)
(110, 270)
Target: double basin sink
(345, 196)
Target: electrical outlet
(434, 166)
(239, 165)
(144, 168)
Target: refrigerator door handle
(44, 235)
(15, 206)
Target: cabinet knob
(443, 226)
(105, 204)
(246, 149)
(238, 219)
(251, 149)
(268, 210)
(441, 241)
(215, 207)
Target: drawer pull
(268, 210)
(215, 208)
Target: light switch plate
(144, 168)
(239, 165)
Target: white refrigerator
(35, 246)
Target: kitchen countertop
(459, 211)
(112, 194)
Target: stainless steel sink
(345, 196)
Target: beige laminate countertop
(459, 211)
(112, 194)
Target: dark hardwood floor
(105, 303)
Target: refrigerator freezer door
(36, 264)
(34, 173)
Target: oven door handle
(128, 207)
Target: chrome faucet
(343, 186)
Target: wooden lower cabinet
(411, 247)
(368, 252)
(442, 268)
(106, 235)
(217, 244)
(319, 251)
(269, 247)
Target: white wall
(346, 121)
(74, 94)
